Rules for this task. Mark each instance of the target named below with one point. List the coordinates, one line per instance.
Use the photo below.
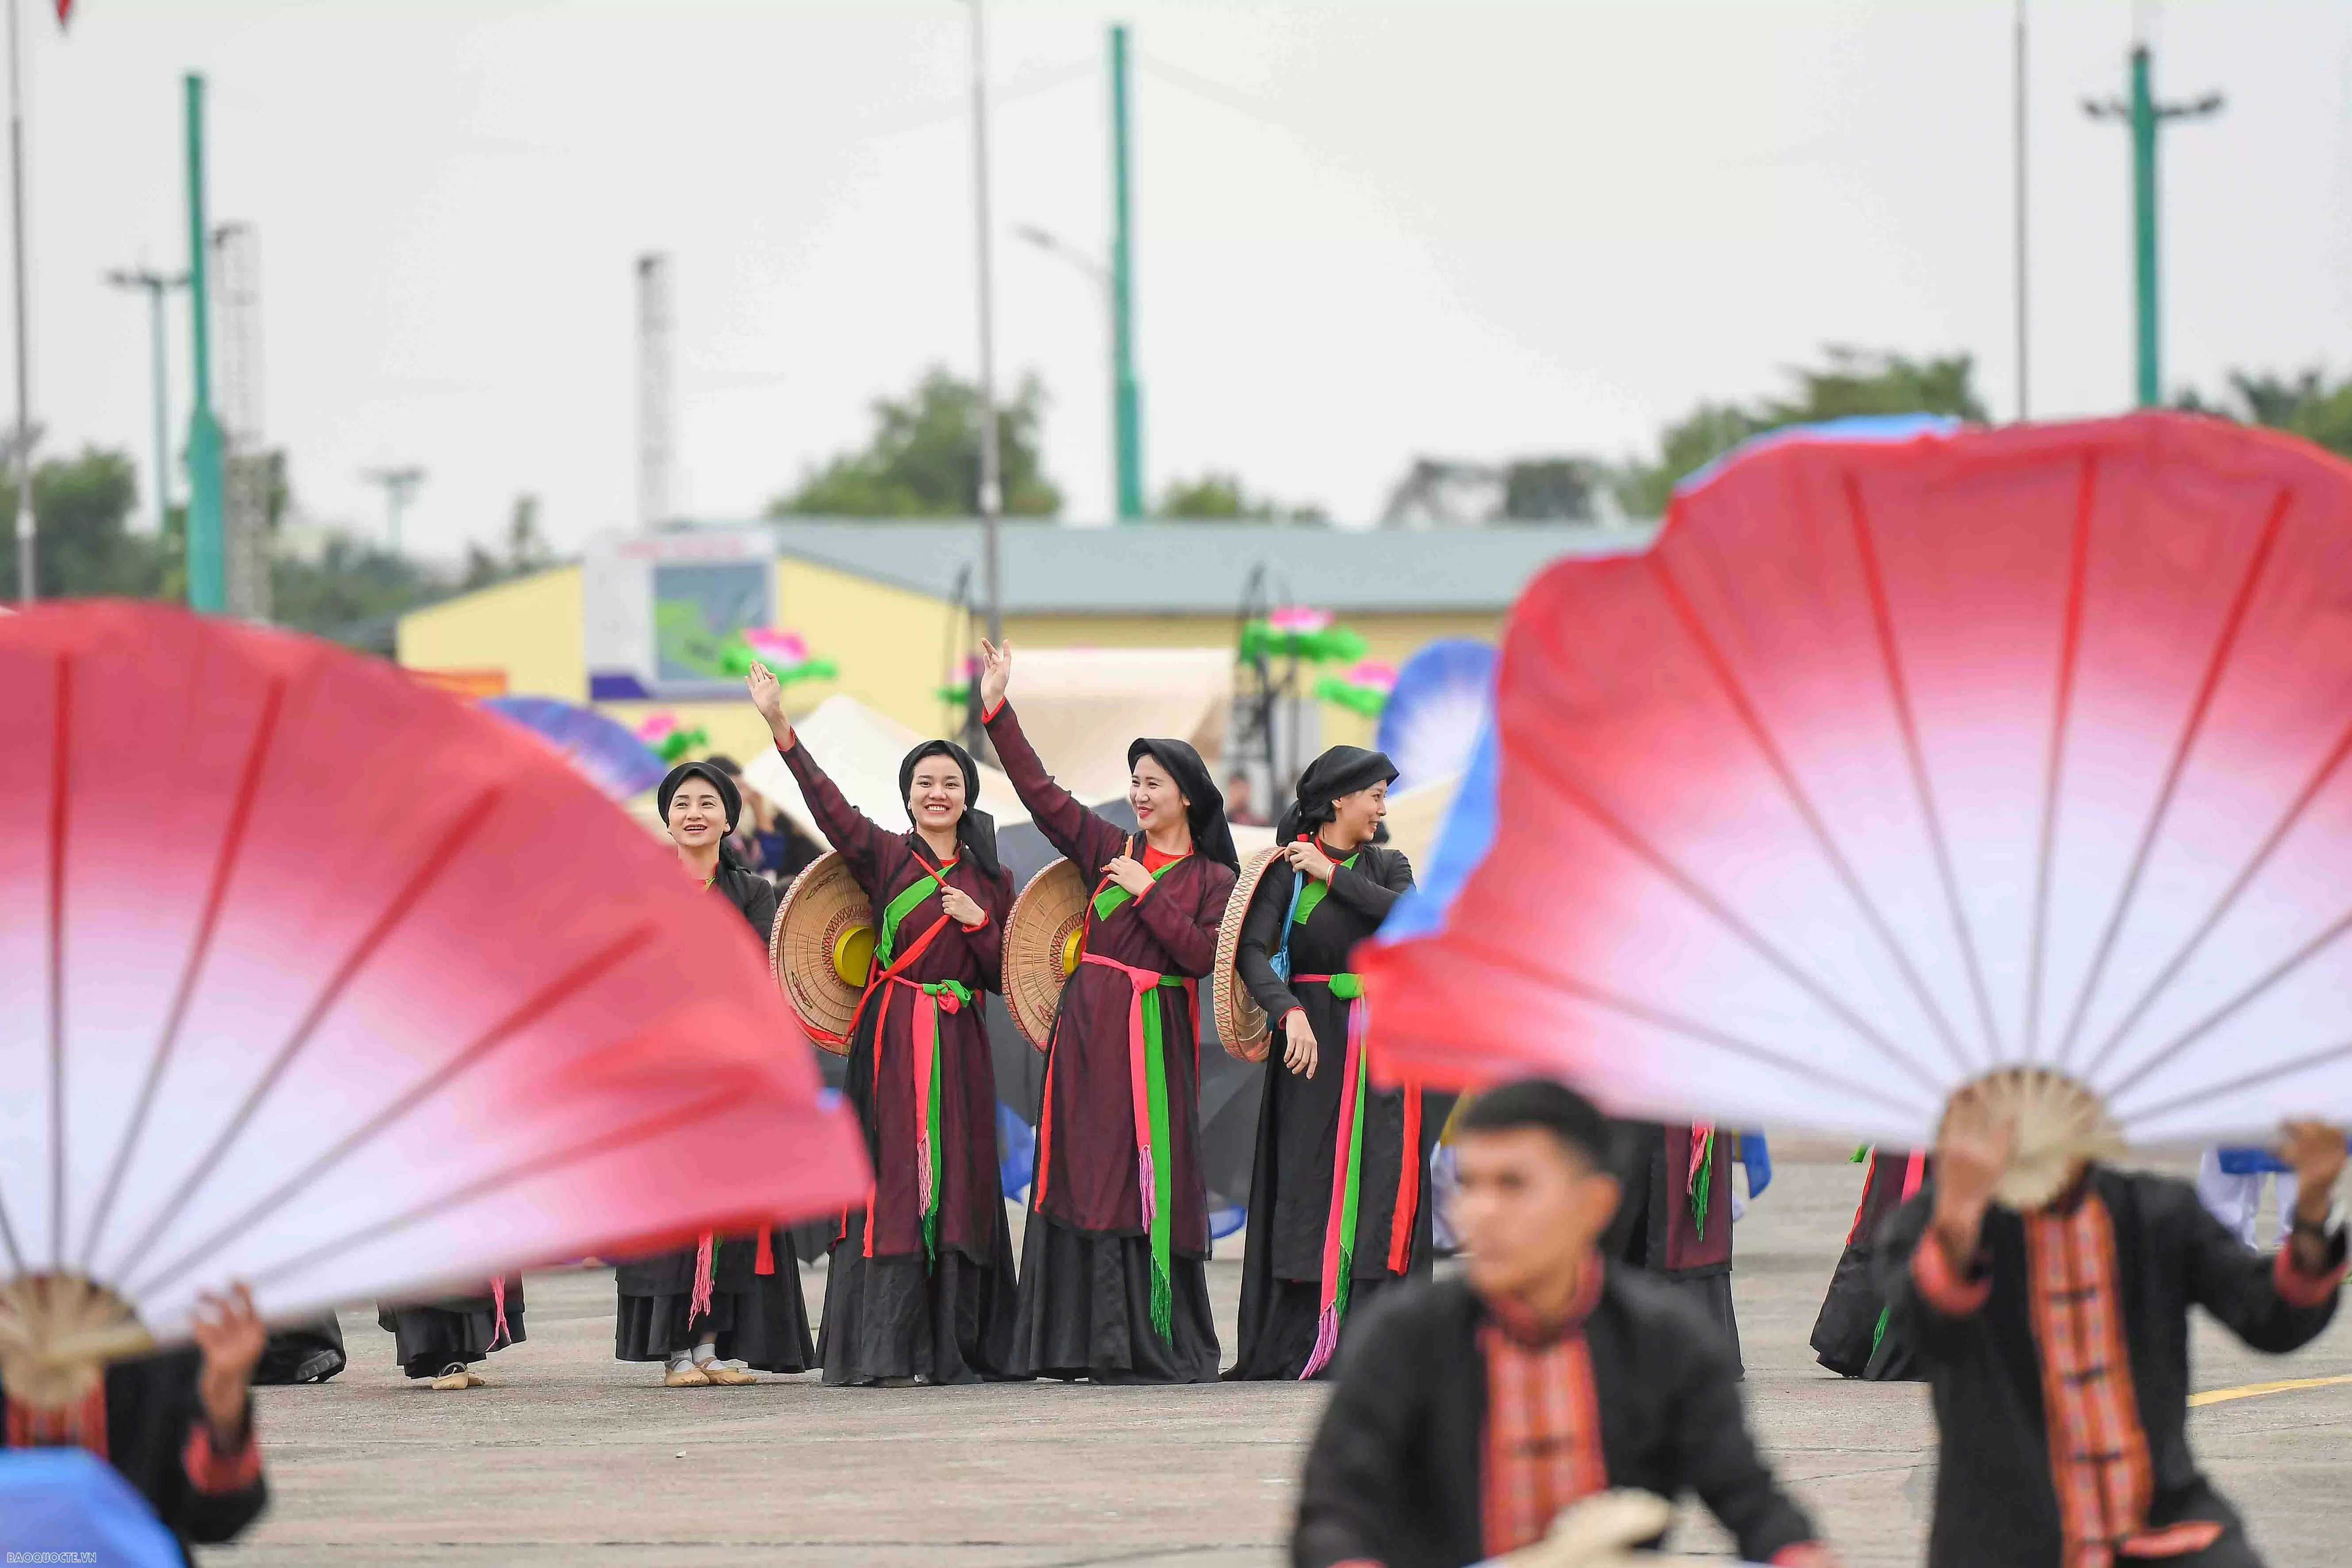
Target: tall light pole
(21, 458)
(155, 285)
(991, 488)
(2018, 92)
(399, 488)
(1127, 394)
(2146, 116)
(207, 493)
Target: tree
(2308, 405)
(82, 507)
(1222, 498)
(924, 459)
(1854, 382)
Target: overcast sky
(1366, 231)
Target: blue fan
(1441, 702)
(615, 761)
(65, 1505)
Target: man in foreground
(1469, 1412)
(2057, 1343)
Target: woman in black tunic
(1336, 1209)
(921, 1284)
(441, 1341)
(1854, 1336)
(733, 1297)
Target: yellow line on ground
(2255, 1390)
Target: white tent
(859, 751)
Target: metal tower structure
(399, 488)
(244, 459)
(656, 395)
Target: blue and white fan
(1431, 725)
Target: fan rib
(685, 1115)
(1752, 720)
(2237, 888)
(1509, 959)
(468, 821)
(2070, 648)
(2270, 1074)
(2215, 667)
(1899, 692)
(1560, 779)
(199, 951)
(2221, 1014)
(562, 989)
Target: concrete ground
(572, 1458)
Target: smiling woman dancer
(1112, 1265)
(920, 1285)
(734, 1297)
(1335, 1210)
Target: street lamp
(399, 488)
(155, 285)
(991, 489)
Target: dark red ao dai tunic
(897, 1306)
(1085, 1270)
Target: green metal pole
(2143, 135)
(1127, 396)
(207, 572)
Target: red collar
(1516, 1322)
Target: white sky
(1366, 230)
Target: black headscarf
(975, 829)
(728, 796)
(1210, 838)
(1342, 770)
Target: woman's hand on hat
(1298, 1049)
(1128, 873)
(1308, 856)
(962, 907)
(768, 697)
(996, 673)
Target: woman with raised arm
(1113, 1283)
(920, 1285)
(715, 1311)
(1335, 1210)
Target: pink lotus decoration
(1378, 674)
(1298, 620)
(668, 738)
(778, 647)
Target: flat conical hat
(1042, 940)
(821, 948)
(1241, 1022)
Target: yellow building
(893, 604)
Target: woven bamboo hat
(1241, 1022)
(1043, 936)
(822, 949)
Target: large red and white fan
(313, 978)
(1897, 766)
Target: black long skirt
(429, 1338)
(311, 1354)
(892, 1318)
(1086, 1310)
(765, 1327)
(1288, 1313)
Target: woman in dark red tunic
(1675, 1218)
(920, 1285)
(1113, 1286)
(1336, 1206)
(729, 1299)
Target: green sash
(1312, 893)
(1110, 898)
(900, 908)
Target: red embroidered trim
(213, 1474)
(2297, 1289)
(1940, 1284)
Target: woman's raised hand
(768, 697)
(996, 673)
